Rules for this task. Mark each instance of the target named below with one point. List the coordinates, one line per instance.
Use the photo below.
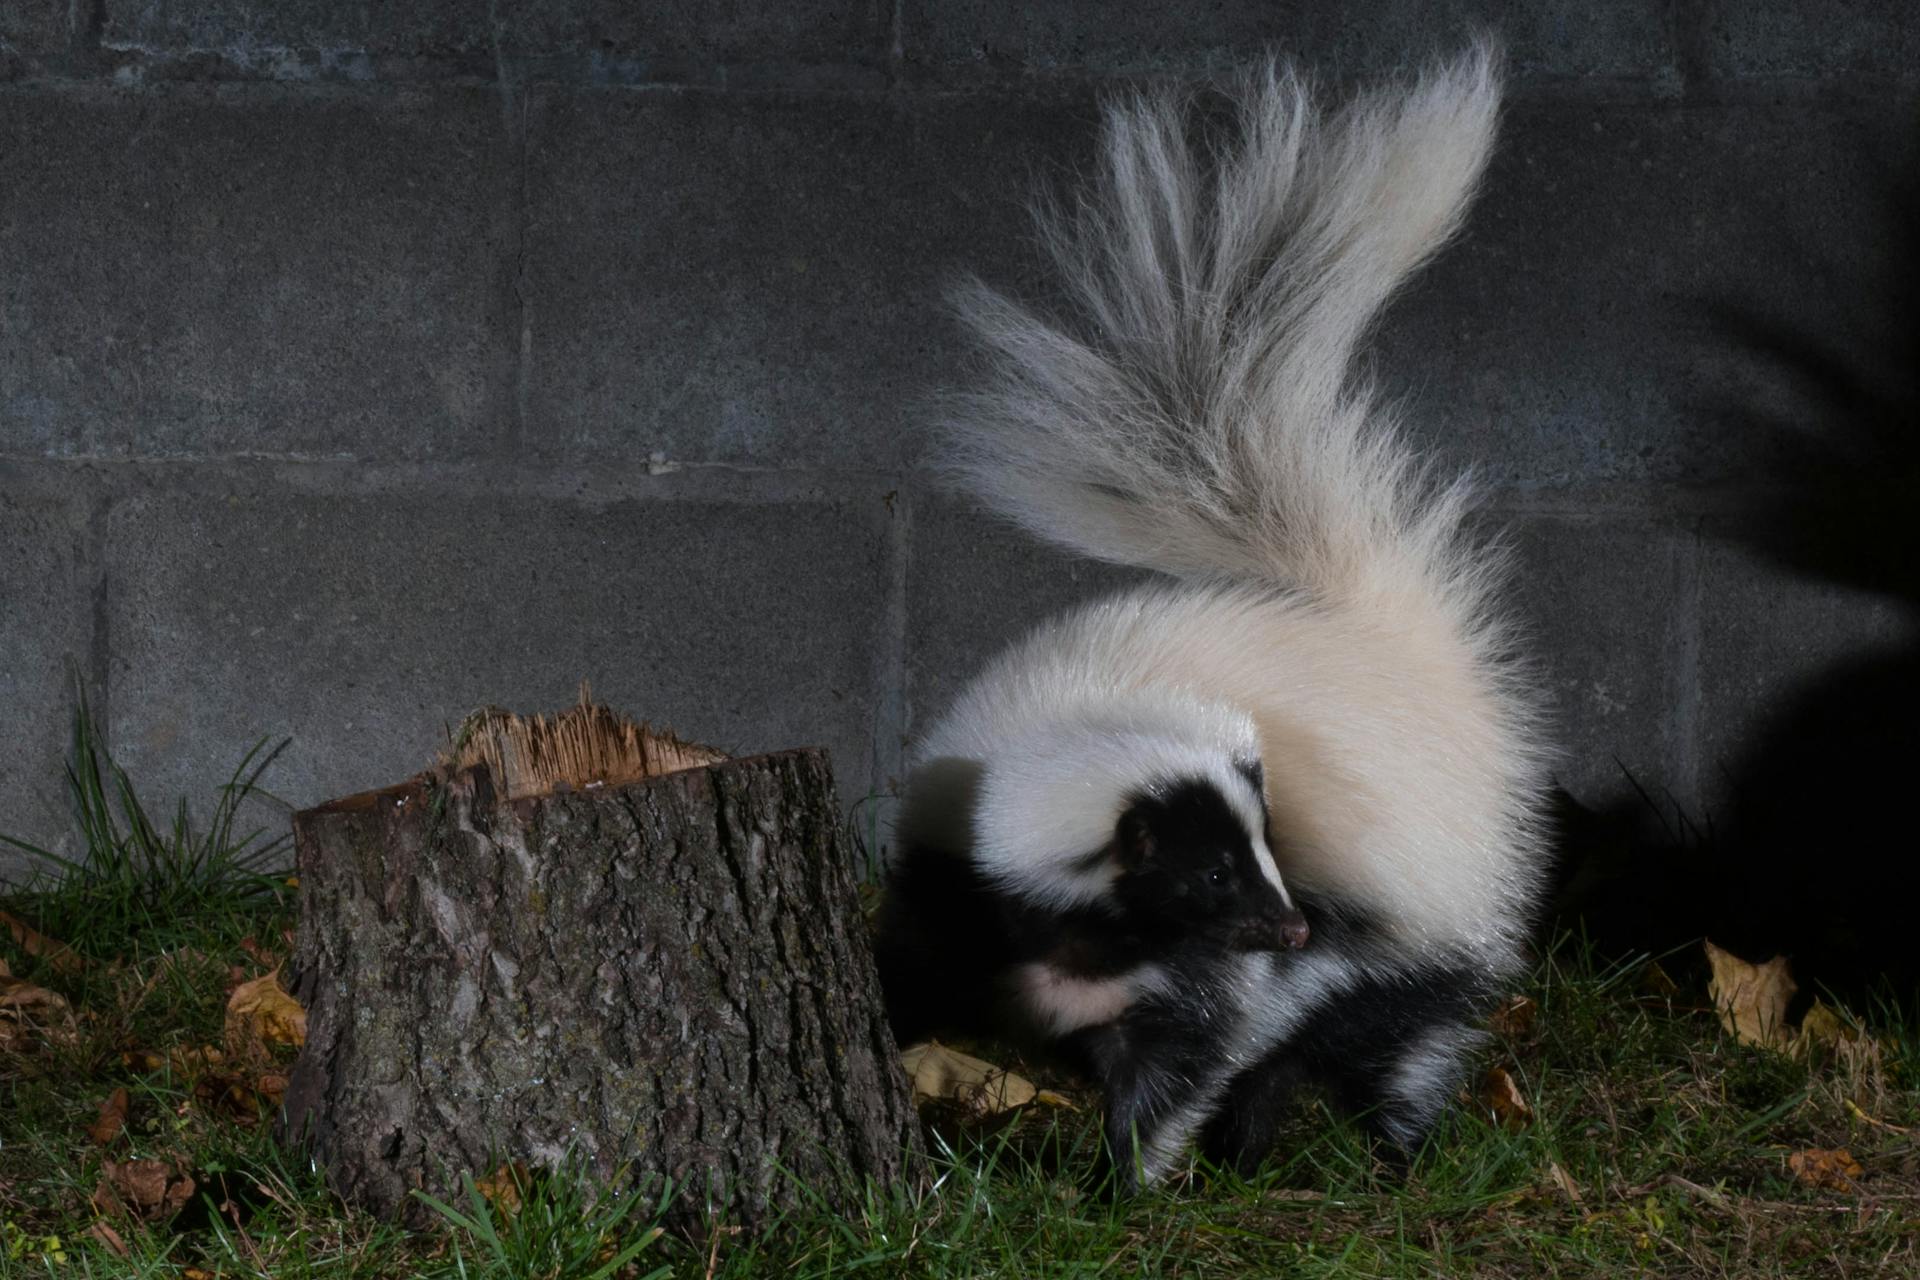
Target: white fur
(1200, 416)
(1061, 1002)
(1060, 765)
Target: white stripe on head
(1051, 794)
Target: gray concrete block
(757, 279)
(1797, 659)
(1808, 37)
(1608, 622)
(32, 33)
(363, 626)
(974, 585)
(45, 641)
(674, 42)
(986, 37)
(1664, 293)
(238, 271)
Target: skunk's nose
(1293, 930)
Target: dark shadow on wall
(1812, 850)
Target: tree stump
(662, 977)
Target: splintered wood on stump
(666, 976)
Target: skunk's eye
(1216, 876)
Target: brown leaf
(20, 996)
(1821, 1167)
(262, 1013)
(944, 1074)
(142, 1060)
(1515, 1017)
(1752, 998)
(261, 956)
(62, 957)
(502, 1188)
(151, 1189)
(112, 1119)
(272, 1087)
(1504, 1100)
(1564, 1181)
(190, 1062)
(228, 1095)
(1657, 981)
(107, 1236)
(28, 1012)
(4, 971)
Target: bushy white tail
(1199, 413)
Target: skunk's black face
(1190, 866)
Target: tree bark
(664, 978)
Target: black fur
(1189, 897)
(1353, 1045)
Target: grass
(1656, 1146)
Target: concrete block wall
(363, 364)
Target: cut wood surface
(663, 978)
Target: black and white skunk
(1273, 819)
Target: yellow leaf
(261, 1011)
(942, 1073)
(1752, 998)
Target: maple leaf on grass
(1752, 999)
(947, 1075)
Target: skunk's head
(1147, 803)
(1193, 862)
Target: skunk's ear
(1134, 839)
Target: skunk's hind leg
(1399, 1092)
(1391, 1052)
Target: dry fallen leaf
(944, 1074)
(142, 1060)
(1821, 1167)
(112, 1119)
(228, 1095)
(22, 997)
(1857, 1054)
(1752, 998)
(149, 1189)
(62, 957)
(1563, 1180)
(272, 1088)
(1504, 1100)
(1514, 1018)
(107, 1236)
(28, 1012)
(262, 1013)
(1657, 981)
(503, 1187)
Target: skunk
(1273, 817)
